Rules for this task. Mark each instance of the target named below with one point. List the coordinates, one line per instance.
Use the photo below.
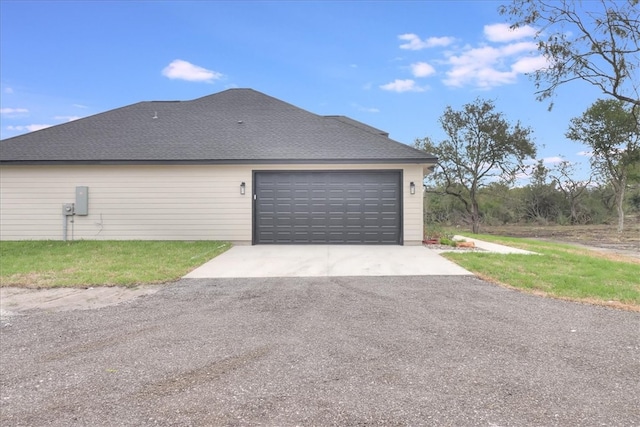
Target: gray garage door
(328, 207)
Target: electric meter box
(67, 209)
(82, 201)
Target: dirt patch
(14, 301)
(603, 238)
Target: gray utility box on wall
(67, 209)
(82, 201)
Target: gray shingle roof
(233, 126)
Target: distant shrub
(562, 219)
(448, 242)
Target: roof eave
(427, 160)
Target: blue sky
(394, 65)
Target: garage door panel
(337, 207)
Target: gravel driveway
(324, 351)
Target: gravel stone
(325, 351)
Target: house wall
(164, 202)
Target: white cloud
(552, 160)
(474, 66)
(585, 153)
(398, 85)
(415, 43)
(183, 70)
(13, 110)
(67, 118)
(499, 60)
(502, 32)
(8, 90)
(29, 128)
(422, 69)
(79, 106)
(487, 66)
(530, 64)
(518, 48)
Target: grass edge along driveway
(559, 271)
(82, 263)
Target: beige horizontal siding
(154, 202)
(413, 205)
(127, 202)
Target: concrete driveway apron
(326, 260)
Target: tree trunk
(574, 213)
(475, 217)
(619, 205)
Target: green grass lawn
(561, 271)
(47, 264)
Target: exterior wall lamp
(243, 188)
(412, 187)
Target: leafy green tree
(482, 147)
(613, 134)
(598, 205)
(497, 204)
(634, 202)
(594, 41)
(438, 208)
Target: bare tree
(539, 194)
(563, 176)
(482, 147)
(594, 41)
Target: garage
(327, 207)
(189, 170)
